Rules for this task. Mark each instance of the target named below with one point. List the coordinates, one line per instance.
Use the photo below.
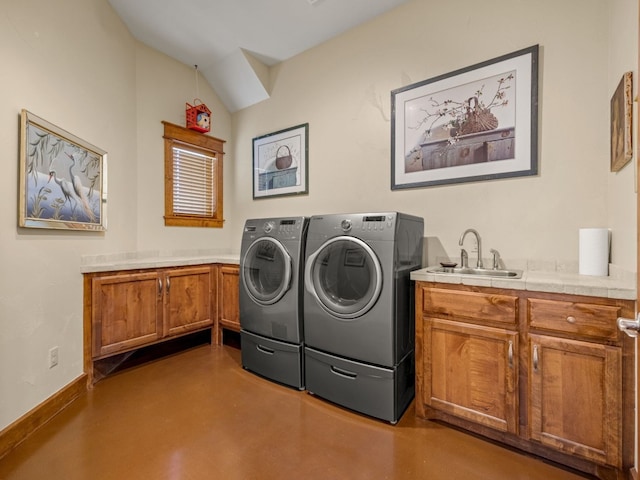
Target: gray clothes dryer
(270, 296)
(358, 304)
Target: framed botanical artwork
(476, 123)
(621, 123)
(280, 162)
(62, 179)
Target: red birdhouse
(198, 117)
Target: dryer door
(266, 271)
(345, 277)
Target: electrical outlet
(53, 357)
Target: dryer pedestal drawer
(380, 392)
(273, 359)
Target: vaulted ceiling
(234, 42)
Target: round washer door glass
(344, 276)
(266, 271)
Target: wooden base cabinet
(228, 299)
(576, 398)
(473, 372)
(133, 309)
(547, 373)
(189, 299)
(126, 312)
(576, 378)
(467, 359)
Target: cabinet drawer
(470, 305)
(576, 318)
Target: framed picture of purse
(280, 162)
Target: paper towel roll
(594, 251)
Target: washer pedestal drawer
(278, 361)
(380, 392)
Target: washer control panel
(285, 228)
(268, 227)
(289, 225)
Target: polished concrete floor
(198, 415)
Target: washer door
(344, 276)
(266, 271)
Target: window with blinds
(193, 178)
(193, 183)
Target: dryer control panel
(366, 222)
(377, 222)
(370, 223)
(372, 226)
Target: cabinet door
(228, 302)
(189, 299)
(575, 401)
(126, 312)
(471, 371)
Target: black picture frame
(281, 163)
(473, 124)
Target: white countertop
(155, 259)
(619, 284)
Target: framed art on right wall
(621, 108)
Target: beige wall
(342, 88)
(73, 64)
(621, 186)
(163, 87)
(76, 65)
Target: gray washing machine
(358, 304)
(271, 258)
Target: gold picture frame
(62, 178)
(621, 121)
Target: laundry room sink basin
(479, 272)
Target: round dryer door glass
(344, 276)
(266, 272)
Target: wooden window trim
(176, 135)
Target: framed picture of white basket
(477, 123)
(62, 178)
(280, 162)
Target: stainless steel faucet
(496, 258)
(478, 241)
(464, 258)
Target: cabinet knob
(571, 319)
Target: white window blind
(194, 180)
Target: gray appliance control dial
(346, 225)
(268, 227)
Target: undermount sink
(481, 272)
